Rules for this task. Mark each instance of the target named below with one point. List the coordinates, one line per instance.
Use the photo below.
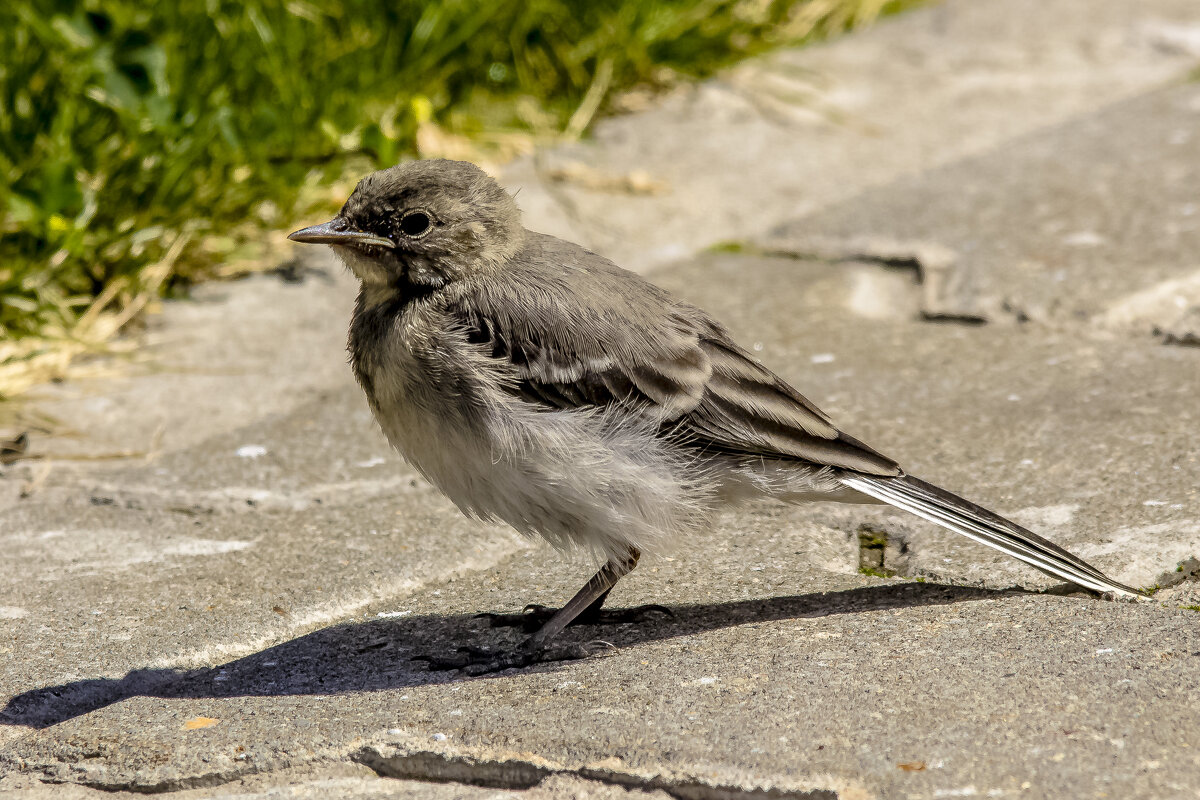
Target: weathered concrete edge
(404, 757)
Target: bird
(536, 383)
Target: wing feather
(634, 345)
(709, 394)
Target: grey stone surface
(346, 781)
(1096, 221)
(232, 354)
(219, 579)
(761, 680)
(787, 135)
(1067, 431)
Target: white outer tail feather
(963, 518)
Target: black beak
(338, 231)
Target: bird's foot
(535, 616)
(478, 661)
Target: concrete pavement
(988, 270)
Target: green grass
(145, 145)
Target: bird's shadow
(377, 654)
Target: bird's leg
(535, 616)
(593, 593)
(539, 647)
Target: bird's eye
(415, 223)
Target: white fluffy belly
(579, 478)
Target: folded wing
(708, 392)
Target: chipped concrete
(346, 781)
(222, 573)
(936, 268)
(1169, 310)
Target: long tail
(975, 522)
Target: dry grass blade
(31, 361)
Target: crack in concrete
(1169, 311)
(502, 770)
(487, 769)
(872, 551)
(167, 786)
(888, 553)
(1188, 569)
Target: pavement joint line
(933, 266)
(416, 761)
(507, 770)
(185, 782)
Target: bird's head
(422, 224)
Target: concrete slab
(346, 781)
(867, 690)
(775, 674)
(229, 355)
(1081, 434)
(1096, 221)
(784, 136)
(205, 553)
(264, 569)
